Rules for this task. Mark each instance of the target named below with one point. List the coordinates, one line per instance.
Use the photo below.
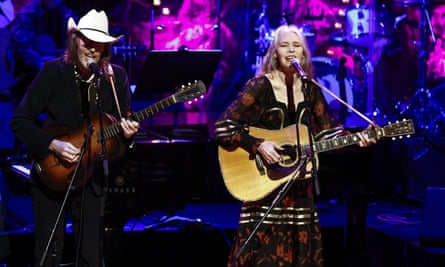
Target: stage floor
(207, 229)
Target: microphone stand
(152, 28)
(344, 103)
(105, 173)
(85, 145)
(305, 80)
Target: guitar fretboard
(337, 142)
(185, 93)
(115, 128)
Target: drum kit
(367, 30)
(423, 106)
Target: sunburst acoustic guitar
(57, 174)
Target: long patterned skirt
(290, 236)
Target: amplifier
(432, 232)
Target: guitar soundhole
(288, 155)
(287, 163)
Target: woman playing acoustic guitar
(290, 235)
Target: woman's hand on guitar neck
(129, 127)
(365, 140)
(65, 150)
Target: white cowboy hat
(94, 26)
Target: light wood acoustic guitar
(57, 174)
(252, 179)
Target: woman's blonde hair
(270, 61)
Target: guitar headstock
(190, 91)
(398, 128)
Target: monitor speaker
(422, 169)
(432, 230)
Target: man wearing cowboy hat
(78, 91)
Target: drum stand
(363, 72)
(427, 114)
(265, 37)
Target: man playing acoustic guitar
(78, 94)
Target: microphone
(94, 68)
(298, 67)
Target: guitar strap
(290, 96)
(87, 92)
(108, 70)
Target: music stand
(166, 70)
